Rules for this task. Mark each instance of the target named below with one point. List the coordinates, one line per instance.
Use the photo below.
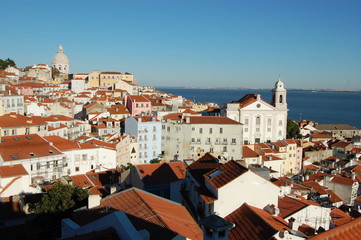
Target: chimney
(291, 223)
(93, 201)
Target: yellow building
(93, 79)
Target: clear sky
(193, 43)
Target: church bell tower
(279, 96)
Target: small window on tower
(281, 98)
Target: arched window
(258, 120)
(59, 67)
(281, 98)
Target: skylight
(14, 157)
(214, 174)
(28, 137)
(16, 139)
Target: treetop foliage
(7, 62)
(61, 198)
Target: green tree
(7, 62)
(61, 198)
(293, 130)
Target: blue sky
(224, 43)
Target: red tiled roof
(12, 171)
(254, 223)
(212, 120)
(316, 187)
(249, 153)
(156, 210)
(138, 98)
(62, 144)
(347, 231)
(290, 205)
(343, 180)
(25, 147)
(224, 174)
(161, 173)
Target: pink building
(138, 104)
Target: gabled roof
(254, 223)
(161, 173)
(146, 209)
(249, 99)
(12, 171)
(290, 205)
(249, 153)
(348, 231)
(224, 174)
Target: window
(76, 169)
(47, 164)
(257, 129)
(13, 132)
(210, 130)
(221, 130)
(269, 122)
(224, 149)
(193, 128)
(246, 130)
(193, 140)
(233, 141)
(258, 120)
(257, 140)
(246, 121)
(55, 163)
(200, 130)
(6, 132)
(27, 130)
(280, 123)
(38, 166)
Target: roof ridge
(151, 209)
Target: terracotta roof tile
(212, 120)
(347, 231)
(249, 153)
(290, 205)
(12, 171)
(224, 174)
(254, 223)
(343, 180)
(25, 147)
(161, 173)
(153, 209)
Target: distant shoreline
(263, 89)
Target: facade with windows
(147, 130)
(193, 136)
(263, 122)
(10, 102)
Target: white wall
(250, 188)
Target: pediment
(259, 105)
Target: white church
(262, 121)
(61, 61)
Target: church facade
(262, 121)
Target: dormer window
(32, 154)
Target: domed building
(61, 61)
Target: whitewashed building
(263, 122)
(185, 136)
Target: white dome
(60, 57)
